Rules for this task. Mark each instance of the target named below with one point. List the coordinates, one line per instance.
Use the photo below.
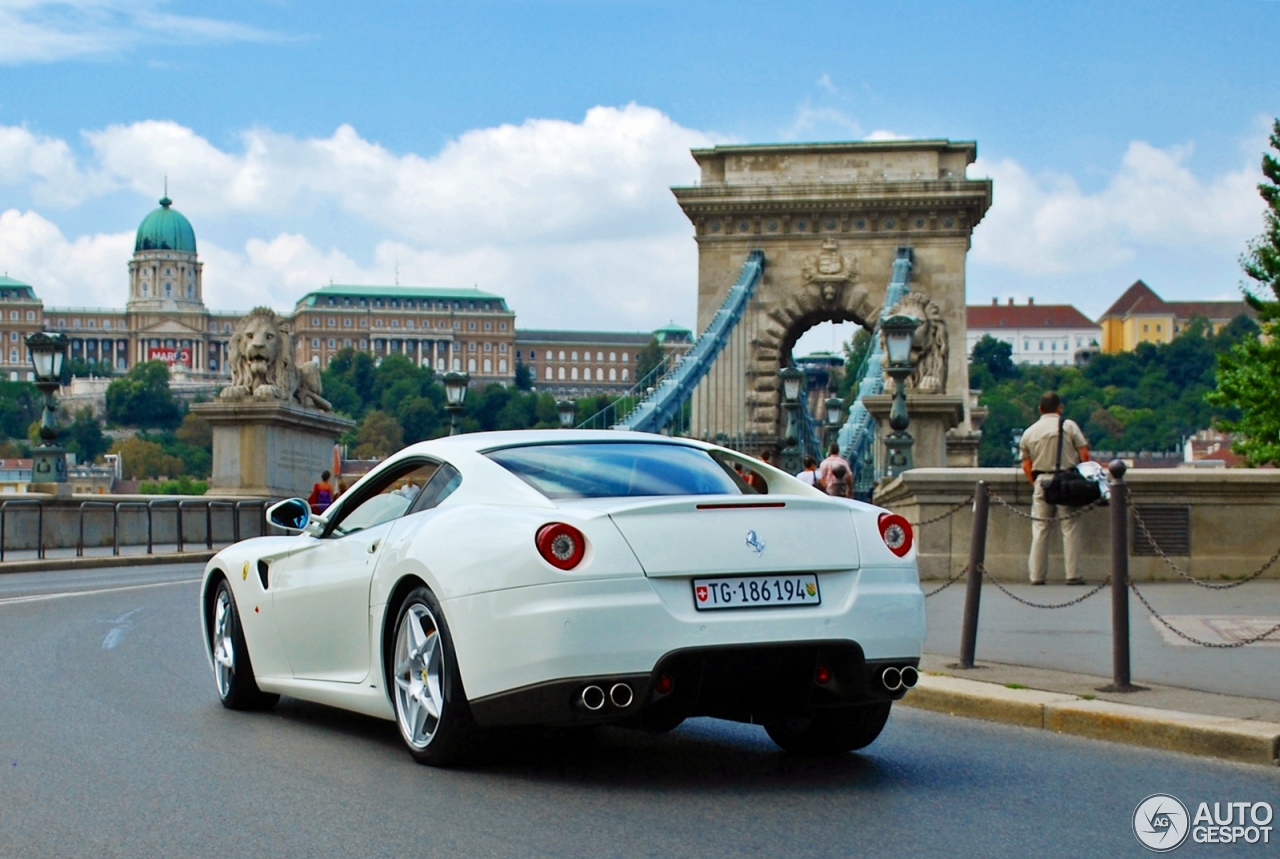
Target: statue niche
(829, 271)
(929, 346)
(263, 366)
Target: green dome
(165, 229)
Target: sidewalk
(1246, 730)
(1044, 668)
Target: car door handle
(373, 547)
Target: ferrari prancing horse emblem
(755, 542)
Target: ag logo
(1160, 822)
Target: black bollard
(973, 585)
(1119, 581)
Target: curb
(96, 563)
(1242, 740)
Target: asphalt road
(112, 743)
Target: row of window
(332, 343)
(409, 324)
(573, 356)
(586, 374)
(14, 317)
(474, 365)
(411, 304)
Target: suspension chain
(1254, 640)
(951, 511)
(951, 581)
(1171, 565)
(1017, 598)
(1076, 511)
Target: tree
(996, 356)
(20, 404)
(1262, 261)
(140, 458)
(524, 376)
(648, 359)
(84, 437)
(1249, 374)
(378, 435)
(195, 431)
(142, 398)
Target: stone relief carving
(263, 366)
(929, 346)
(830, 271)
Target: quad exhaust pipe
(899, 678)
(593, 697)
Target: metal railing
(181, 508)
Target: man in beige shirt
(1039, 449)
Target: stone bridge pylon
(830, 218)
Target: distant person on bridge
(841, 484)
(1039, 450)
(810, 471)
(823, 478)
(322, 494)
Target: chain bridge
(790, 236)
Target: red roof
(1140, 298)
(1026, 316)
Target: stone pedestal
(269, 448)
(932, 416)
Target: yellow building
(1141, 316)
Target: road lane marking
(63, 594)
(117, 632)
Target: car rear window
(616, 470)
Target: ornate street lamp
(567, 410)
(898, 331)
(790, 456)
(48, 461)
(455, 392)
(835, 412)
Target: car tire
(830, 732)
(431, 707)
(232, 667)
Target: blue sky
(527, 146)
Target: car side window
(389, 498)
(442, 484)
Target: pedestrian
(755, 479)
(321, 494)
(810, 471)
(841, 482)
(1040, 461)
(822, 478)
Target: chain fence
(951, 511)
(951, 581)
(1011, 595)
(1075, 511)
(1215, 644)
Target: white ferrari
(574, 578)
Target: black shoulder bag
(1069, 487)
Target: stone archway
(829, 218)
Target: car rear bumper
(755, 683)
(546, 642)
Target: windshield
(616, 470)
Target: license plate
(756, 592)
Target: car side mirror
(292, 514)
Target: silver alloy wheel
(419, 665)
(224, 653)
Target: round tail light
(896, 533)
(562, 546)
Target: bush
(182, 486)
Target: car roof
(481, 442)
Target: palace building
(165, 319)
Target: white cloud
(825, 83)
(42, 31)
(86, 272)
(572, 222)
(1047, 225)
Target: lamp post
(48, 461)
(790, 456)
(455, 392)
(835, 412)
(898, 331)
(1016, 447)
(567, 410)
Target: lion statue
(263, 367)
(928, 344)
